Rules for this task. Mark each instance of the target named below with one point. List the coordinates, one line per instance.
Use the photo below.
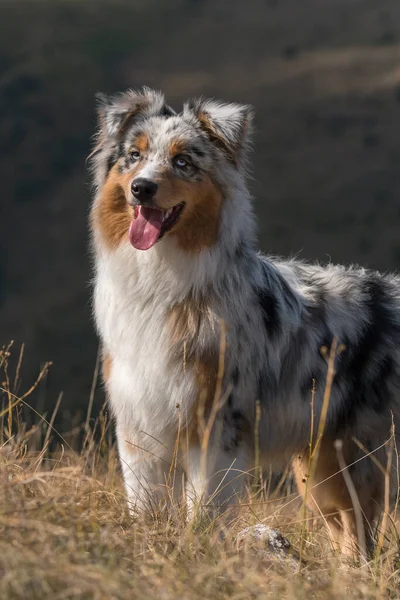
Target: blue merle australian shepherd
(198, 329)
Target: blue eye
(135, 155)
(181, 162)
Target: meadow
(66, 533)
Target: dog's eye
(181, 162)
(134, 155)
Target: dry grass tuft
(65, 532)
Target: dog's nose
(143, 189)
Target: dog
(207, 342)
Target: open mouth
(150, 224)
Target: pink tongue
(145, 230)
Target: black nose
(143, 189)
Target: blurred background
(323, 76)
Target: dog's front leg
(152, 479)
(215, 477)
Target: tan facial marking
(176, 147)
(112, 214)
(141, 142)
(198, 225)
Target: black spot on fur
(380, 322)
(173, 126)
(111, 160)
(314, 319)
(288, 296)
(237, 426)
(237, 416)
(197, 151)
(367, 373)
(113, 157)
(235, 377)
(167, 111)
(270, 311)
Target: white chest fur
(131, 307)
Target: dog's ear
(227, 125)
(115, 113)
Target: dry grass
(65, 532)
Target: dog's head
(160, 173)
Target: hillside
(323, 75)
